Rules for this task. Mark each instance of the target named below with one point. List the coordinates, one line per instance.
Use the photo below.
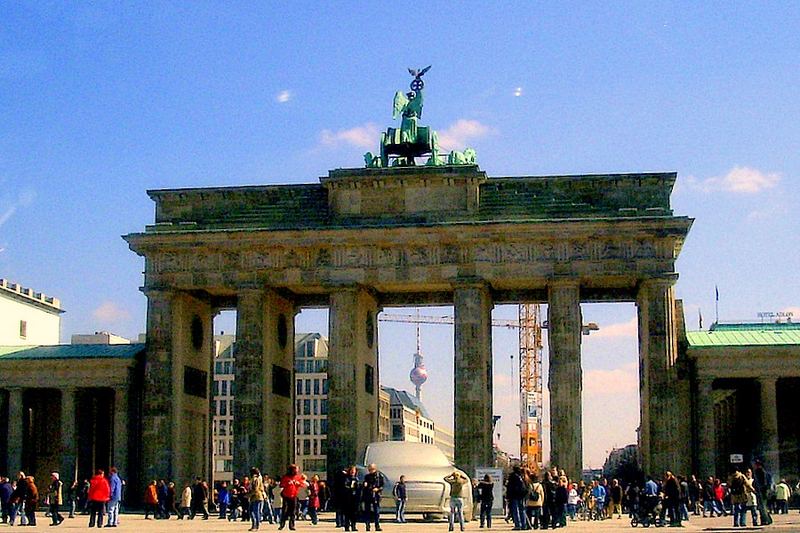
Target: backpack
(737, 486)
(534, 494)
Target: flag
(716, 291)
(700, 316)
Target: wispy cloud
(767, 213)
(110, 313)
(620, 381)
(364, 136)
(283, 96)
(620, 329)
(24, 198)
(739, 180)
(462, 132)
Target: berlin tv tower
(418, 375)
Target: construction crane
(530, 386)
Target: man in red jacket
(290, 484)
(99, 494)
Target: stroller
(648, 512)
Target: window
(223, 427)
(298, 445)
(299, 428)
(324, 385)
(315, 407)
(227, 367)
(323, 425)
(215, 388)
(316, 386)
(306, 427)
(223, 408)
(323, 407)
(306, 446)
(308, 386)
(320, 365)
(224, 388)
(369, 379)
(218, 368)
(309, 349)
(297, 408)
(299, 386)
(323, 446)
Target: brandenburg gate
(399, 234)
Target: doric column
(472, 305)
(657, 355)
(175, 403)
(14, 431)
(565, 377)
(119, 451)
(706, 438)
(769, 426)
(263, 429)
(69, 443)
(159, 395)
(353, 384)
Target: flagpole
(716, 303)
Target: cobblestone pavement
(136, 522)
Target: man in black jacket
(371, 494)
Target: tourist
(199, 499)
(559, 518)
(737, 486)
(752, 498)
(5, 497)
(683, 506)
(572, 501)
(151, 500)
(171, 499)
(339, 494)
(277, 500)
(290, 485)
(486, 499)
(672, 492)
(351, 498)
(782, 494)
(31, 499)
(115, 497)
(324, 495)
(313, 499)
(71, 497)
(515, 493)
(615, 499)
(400, 497)
(694, 495)
(456, 482)
(599, 498)
(161, 496)
(372, 490)
(267, 513)
(54, 497)
(762, 482)
(534, 502)
(186, 503)
(302, 498)
(98, 496)
(17, 500)
(256, 494)
(223, 500)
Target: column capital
(470, 282)
(768, 380)
(158, 292)
(563, 282)
(661, 281)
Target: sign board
(737, 458)
(497, 479)
(775, 314)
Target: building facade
(745, 381)
(311, 403)
(71, 409)
(408, 418)
(27, 317)
(222, 395)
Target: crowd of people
(531, 501)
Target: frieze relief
(334, 257)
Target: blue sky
(100, 101)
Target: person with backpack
(737, 486)
(486, 499)
(534, 502)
